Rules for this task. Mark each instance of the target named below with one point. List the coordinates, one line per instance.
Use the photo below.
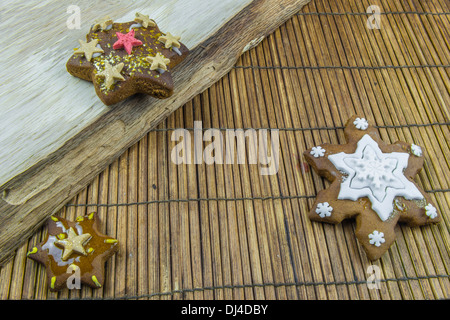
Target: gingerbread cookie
(74, 249)
(372, 182)
(123, 59)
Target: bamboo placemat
(223, 231)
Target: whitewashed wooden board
(56, 135)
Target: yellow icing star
(111, 73)
(170, 40)
(88, 48)
(144, 20)
(158, 62)
(73, 243)
(102, 23)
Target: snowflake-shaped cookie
(372, 182)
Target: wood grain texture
(30, 197)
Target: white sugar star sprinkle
(361, 123)
(430, 211)
(324, 209)
(376, 238)
(416, 150)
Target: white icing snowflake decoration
(317, 151)
(430, 211)
(416, 150)
(361, 123)
(324, 209)
(376, 238)
(375, 175)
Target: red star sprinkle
(127, 41)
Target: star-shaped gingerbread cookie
(132, 44)
(74, 248)
(372, 182)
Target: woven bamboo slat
(224, 231)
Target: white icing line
(416, 150)
(176, 50)
(361, 123)
(97, 54)
(135, 25)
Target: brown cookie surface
(74, 249)
(372, 182)
(119, 58)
